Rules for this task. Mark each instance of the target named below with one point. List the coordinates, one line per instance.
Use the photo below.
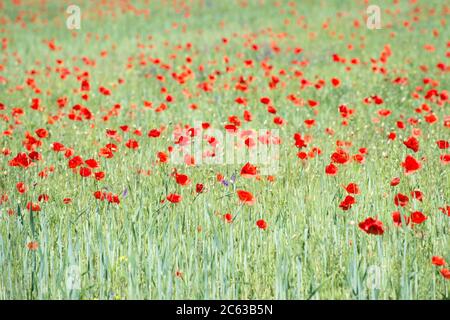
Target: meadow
(94, 204)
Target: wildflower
(246, 197)
(262, 224)
(372, 226)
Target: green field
(170, 66)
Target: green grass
(311, 248)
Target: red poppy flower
(411, 165)
(372, 226)
(174, 198)
(68, 152)
(58, 147)
(248, 170)
(91, 163)
(124, 128)
(199, 188)
(418, 217)
(21, 187)
(100, 175)
(445, 210)
(396, 217)
(340, 156)
(445, 158)
(412, 143)
(132, 144)
(248, 116)
(352, 188)
(85, 172)
(21, 160)
(85, 86)
(395, 181)
(41, 133)
(299, 141)
(302, 155)
(228, 217)
(310, 122)
(331, 169)
(443, 144)
(335, 82)
(313, 103)
(262, 224)
(234, 120)
(231, 128)
(99, 195)
(112, 133)
(162, 157)
(272, 110)
(384, 112)
(400, 125)
(438, 261)
(401, 200)
(104, 91)
(417, 194)
(35, 156)
(154, 133)
(265, 100)
(43, 198)
(246, 197)
(75, 162)
(392, 136)
(431, 118)
(241, 100)
(33, 206)
(111, 198)
(112, 147)
(347, 203)
(445, 273)
(3, 198)
(182, 179)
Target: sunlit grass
(145, 249)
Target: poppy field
(242, 149)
